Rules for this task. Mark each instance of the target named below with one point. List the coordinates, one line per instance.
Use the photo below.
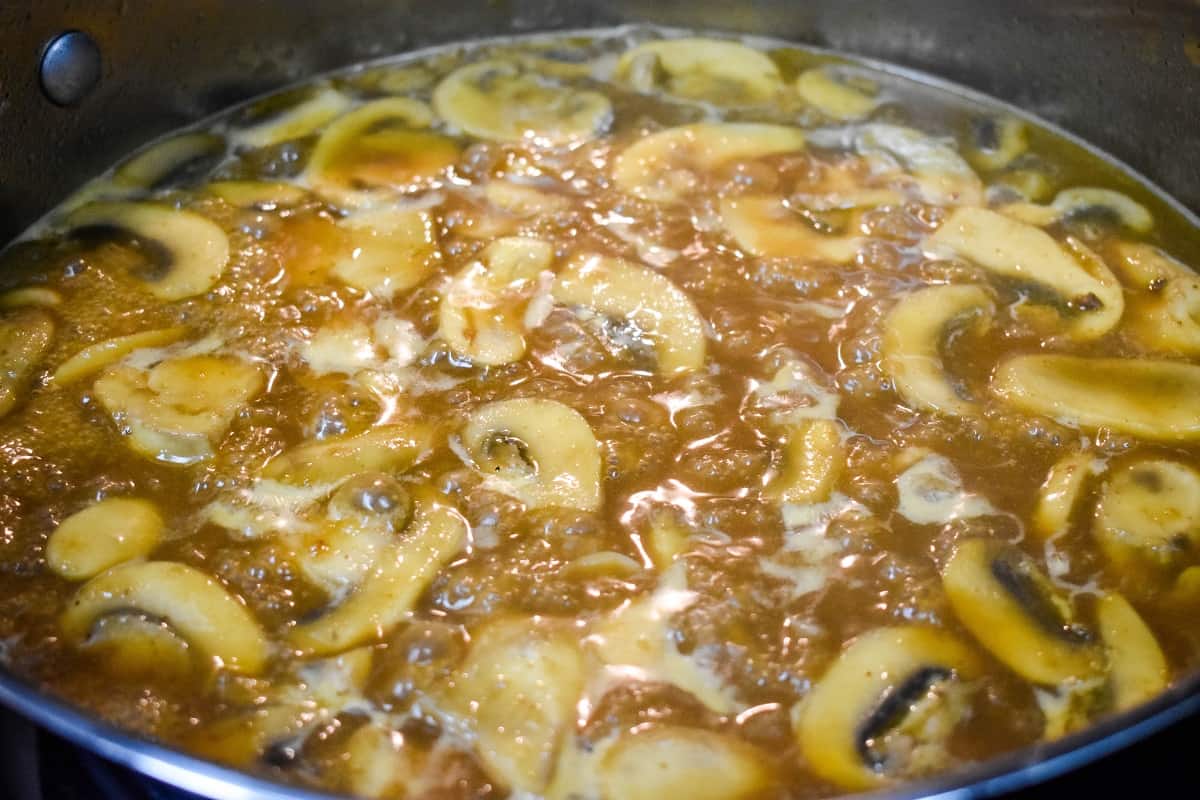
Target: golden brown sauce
(540, 428)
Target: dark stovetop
(35, 765)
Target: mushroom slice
(1000, 142)
(657, 307)
(524, 201)
(167, 160)
(391, 448)
(364, 516)
(38, 296)
(396, 581)
(912, 342)
(383, 144)
(103, 535)
(390, 250)
(132, 645)
(1005, 601)
(98, 356)
(25, 336)
(295, 121)
(195, 605)
(508, 102)
(482, 315)
(1147, 519)
(834, 98)
(768, 228)
(813, 460)
(879, 681)
(518, 688)
(539, 451)
(702, 69)
(262, 195)
(661, 761)
(1166, 315)
(663, 166)
(1123, 208)
(376, 763)
(1060, 494)
(1137, 668)
(935, 169)
(1151, 399)
(1087, 294)
(190, 252)
(175, 411)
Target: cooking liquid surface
(551, 432)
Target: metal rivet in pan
(70, 68)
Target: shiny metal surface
(1125, 76)
(70, 68)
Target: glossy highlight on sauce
(626, 414)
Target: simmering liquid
(621, 415)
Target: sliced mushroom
(103, 535)
(1147, 520)
(37, 296)
(396, 581)
(999, 142)
(870, 691)
(364, 516)
(188, 251)
(508, 102)
(263, 195)
(482, 315)
(383, 144)
(99, 356)
(912, 344)
(618, 288)
(1010, 606)
(1165, 316)
(284, 712)
(539, 451)
(389, 250)
(518, 689)
(376, 763)
(25, 336)
(1030, 184)
(196, 606)
(767, 227)
(523, 201)
(132, 645)
(167, 160)
(702, 69)
(813, 461)
(1137, 668)
(1086, 293)
(935, 170)
(667, 538)
(931, 491)
(294, 121)
(175, 411)
(668, 761)
(1151, 399)
(663, 166)
(391, 448)
(1060, 493)
(832, 97)
(1123, 208)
